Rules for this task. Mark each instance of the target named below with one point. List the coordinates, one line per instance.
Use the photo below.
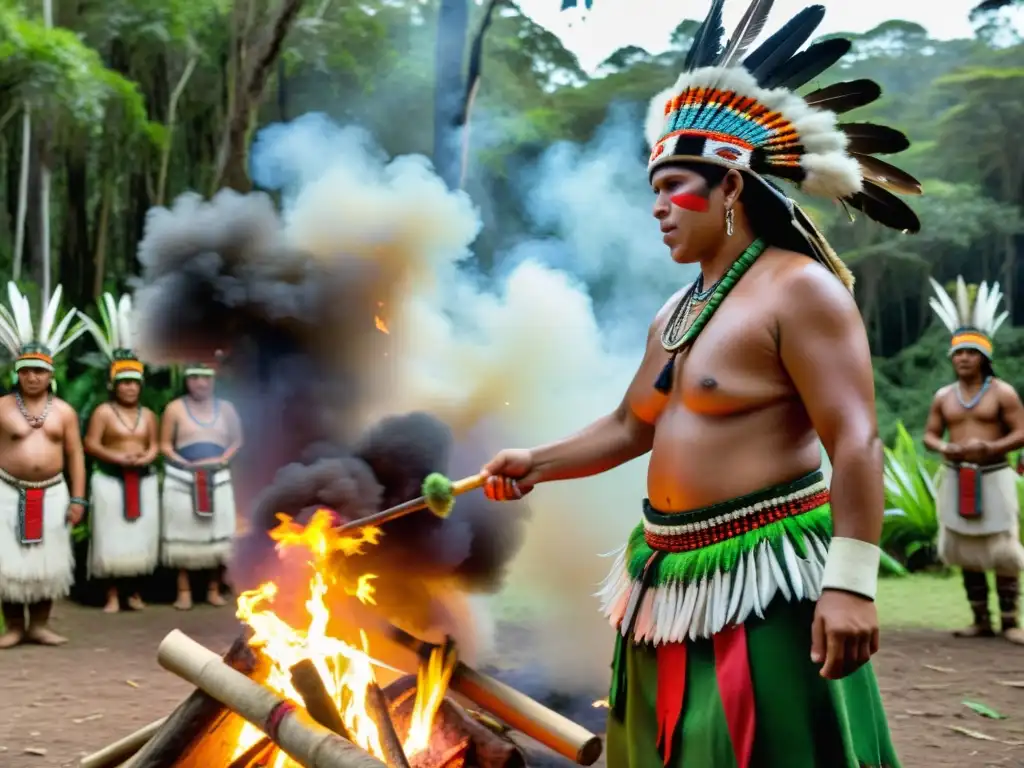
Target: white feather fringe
(678, 611)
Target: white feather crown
(34, 346)
(116, 338)
(972, 324)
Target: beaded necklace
(977, 398)
(34, 421)
(678, 334)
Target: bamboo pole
(117, 753)
(321, 707)
(289, 726)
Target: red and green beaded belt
(699, 528)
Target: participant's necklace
(211, 422)
(977, 398)
(138, 417)
(34, 421)
(679, 333)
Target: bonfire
(288, 693)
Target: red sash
(969, 492)
(30, 514)
(202, 492)
(132, 482)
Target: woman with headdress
(744, 601)
(982, 415)
(199, 436)
(39, 444)
(122, 440)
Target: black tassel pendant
(664, 382)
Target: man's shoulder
(1004, 387)
(944, 390)
(64, 408)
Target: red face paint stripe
(690, 202)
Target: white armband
(852, 565)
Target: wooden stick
(257, 749)
(118, 752)
(193, 718)
(408, 507)
(290, 727)
(310, 685)
(377, 708)
(522, 713)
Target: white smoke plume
(533, 353)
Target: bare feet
(11, 638)
(113, 605)
(44, 636)
(184, 601)
(135, 603)
(1015, 635)
(975, 630)
(213, 598)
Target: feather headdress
(116, 337)
(972, 324)
(741, 110)
(30, 345)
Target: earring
(729, 221)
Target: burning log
(193, 718)
(377, 707)
(321, 707)
(290, 727)
(456, 738)
(260, 749)
(522, 713)
(117, 753)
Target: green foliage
(59, 76)
(911, 525)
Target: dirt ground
(57, 705)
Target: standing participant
(199, 436)
(122, 441)
(744, 601)
(39, 442)
(979, 512)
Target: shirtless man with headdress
(744, 601)
(39, 443)
(200, 434)
(122, 441)
(978, 507)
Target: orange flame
(346, 671)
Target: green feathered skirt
(712, 664)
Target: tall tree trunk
(449, 86)
(75, 265)
(99, 260)
(45, 179)
(172, 113)
(23, 177)
(259, 59)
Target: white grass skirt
(120, 547)
(189, 540)
(45, 570)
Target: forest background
(107, 109)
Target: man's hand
(977, 451)
(953, 451)
(75, 513)
(844, 635)
(511, 475)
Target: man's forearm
(608, 442)
(1004, 445)
(934, 444)
(76, 473)
(857, 491)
